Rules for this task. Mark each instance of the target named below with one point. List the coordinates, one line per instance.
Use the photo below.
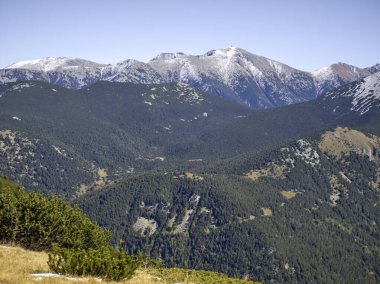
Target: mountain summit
(47, 64)
(230, 72)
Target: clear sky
(305, 34)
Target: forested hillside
(76, 245)
(266, 216)
(72, 141)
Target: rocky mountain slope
(363, 95)
(230, 72)
(337, 75)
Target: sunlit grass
(17, 266)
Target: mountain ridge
(231, 72)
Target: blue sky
(305, 34)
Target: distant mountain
(336, 75)
(375, 68)
(231, 72)
(55, 64)
(238, 75)
(76, 73)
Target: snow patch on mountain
(364, 95)
(367, 95)
(189, 73)
(322, 75)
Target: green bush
(105, 262)
(35, 221)
(77, 246)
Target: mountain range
(280, 195)
(231, 72)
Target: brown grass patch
(272, 170)
(17, 266)
(342, 141)
(193, 176)
(267, 212)
(288, 194)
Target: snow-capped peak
(323, 73)
(349, 72)
(227, 52)
(169, 56)
(230, 72)
(53, 63)
(331, 77)
(343, 70)
(373, 69)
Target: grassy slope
(17, 265)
